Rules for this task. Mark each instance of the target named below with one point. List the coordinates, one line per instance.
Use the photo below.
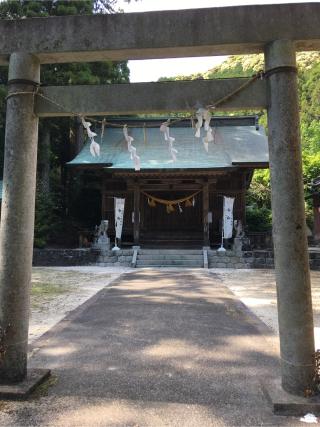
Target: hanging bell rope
(187, 200)
(188, 203)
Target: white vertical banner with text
(118, 215)
(227, 217)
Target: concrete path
(157, 348)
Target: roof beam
(161, 97)
(166, 34)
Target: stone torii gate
(278, 31)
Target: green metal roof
(233, 145)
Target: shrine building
(176, 198)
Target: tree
(259, 195)
(55, 134)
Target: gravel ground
(257, 290)
(157, 347)
(113, 396)
(59, 290)
(75, 285)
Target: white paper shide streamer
(199, 116)
(164, 128)
(208, 138)
(132, 150)
(204, 117)
(94, 146)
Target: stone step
(167, 263)
(170, 257)
(169, 266)
(224, 265)
(216, 253)
(170, 251)
(226, 259)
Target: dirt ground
(156, 347)
(257, 290)
(58, 290)
(190, 354)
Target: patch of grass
(3, 406)
(42, 389)
(43, 292)
(48, 289)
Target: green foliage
(237, 66)
(259, 219)
(259, 195)
(258, 214)
(311, 166)
(50, 220)
(47, 217)
(311, 170)
(50, 207)
(17, 9)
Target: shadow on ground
(157, 348)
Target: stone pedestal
(237, 245)
(102, 241)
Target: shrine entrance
(183, 227)
(270, 29)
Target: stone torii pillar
(17, 221)
(289, 225)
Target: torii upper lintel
(166, 34)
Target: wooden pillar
(205, 213)
(103, 200)
(136, 210)
(243, 200)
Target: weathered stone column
(289, 225)
(17, 219)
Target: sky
(153, 69)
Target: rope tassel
(151, 203)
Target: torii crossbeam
(277, 30)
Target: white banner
(118, 215)
(227, 216)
